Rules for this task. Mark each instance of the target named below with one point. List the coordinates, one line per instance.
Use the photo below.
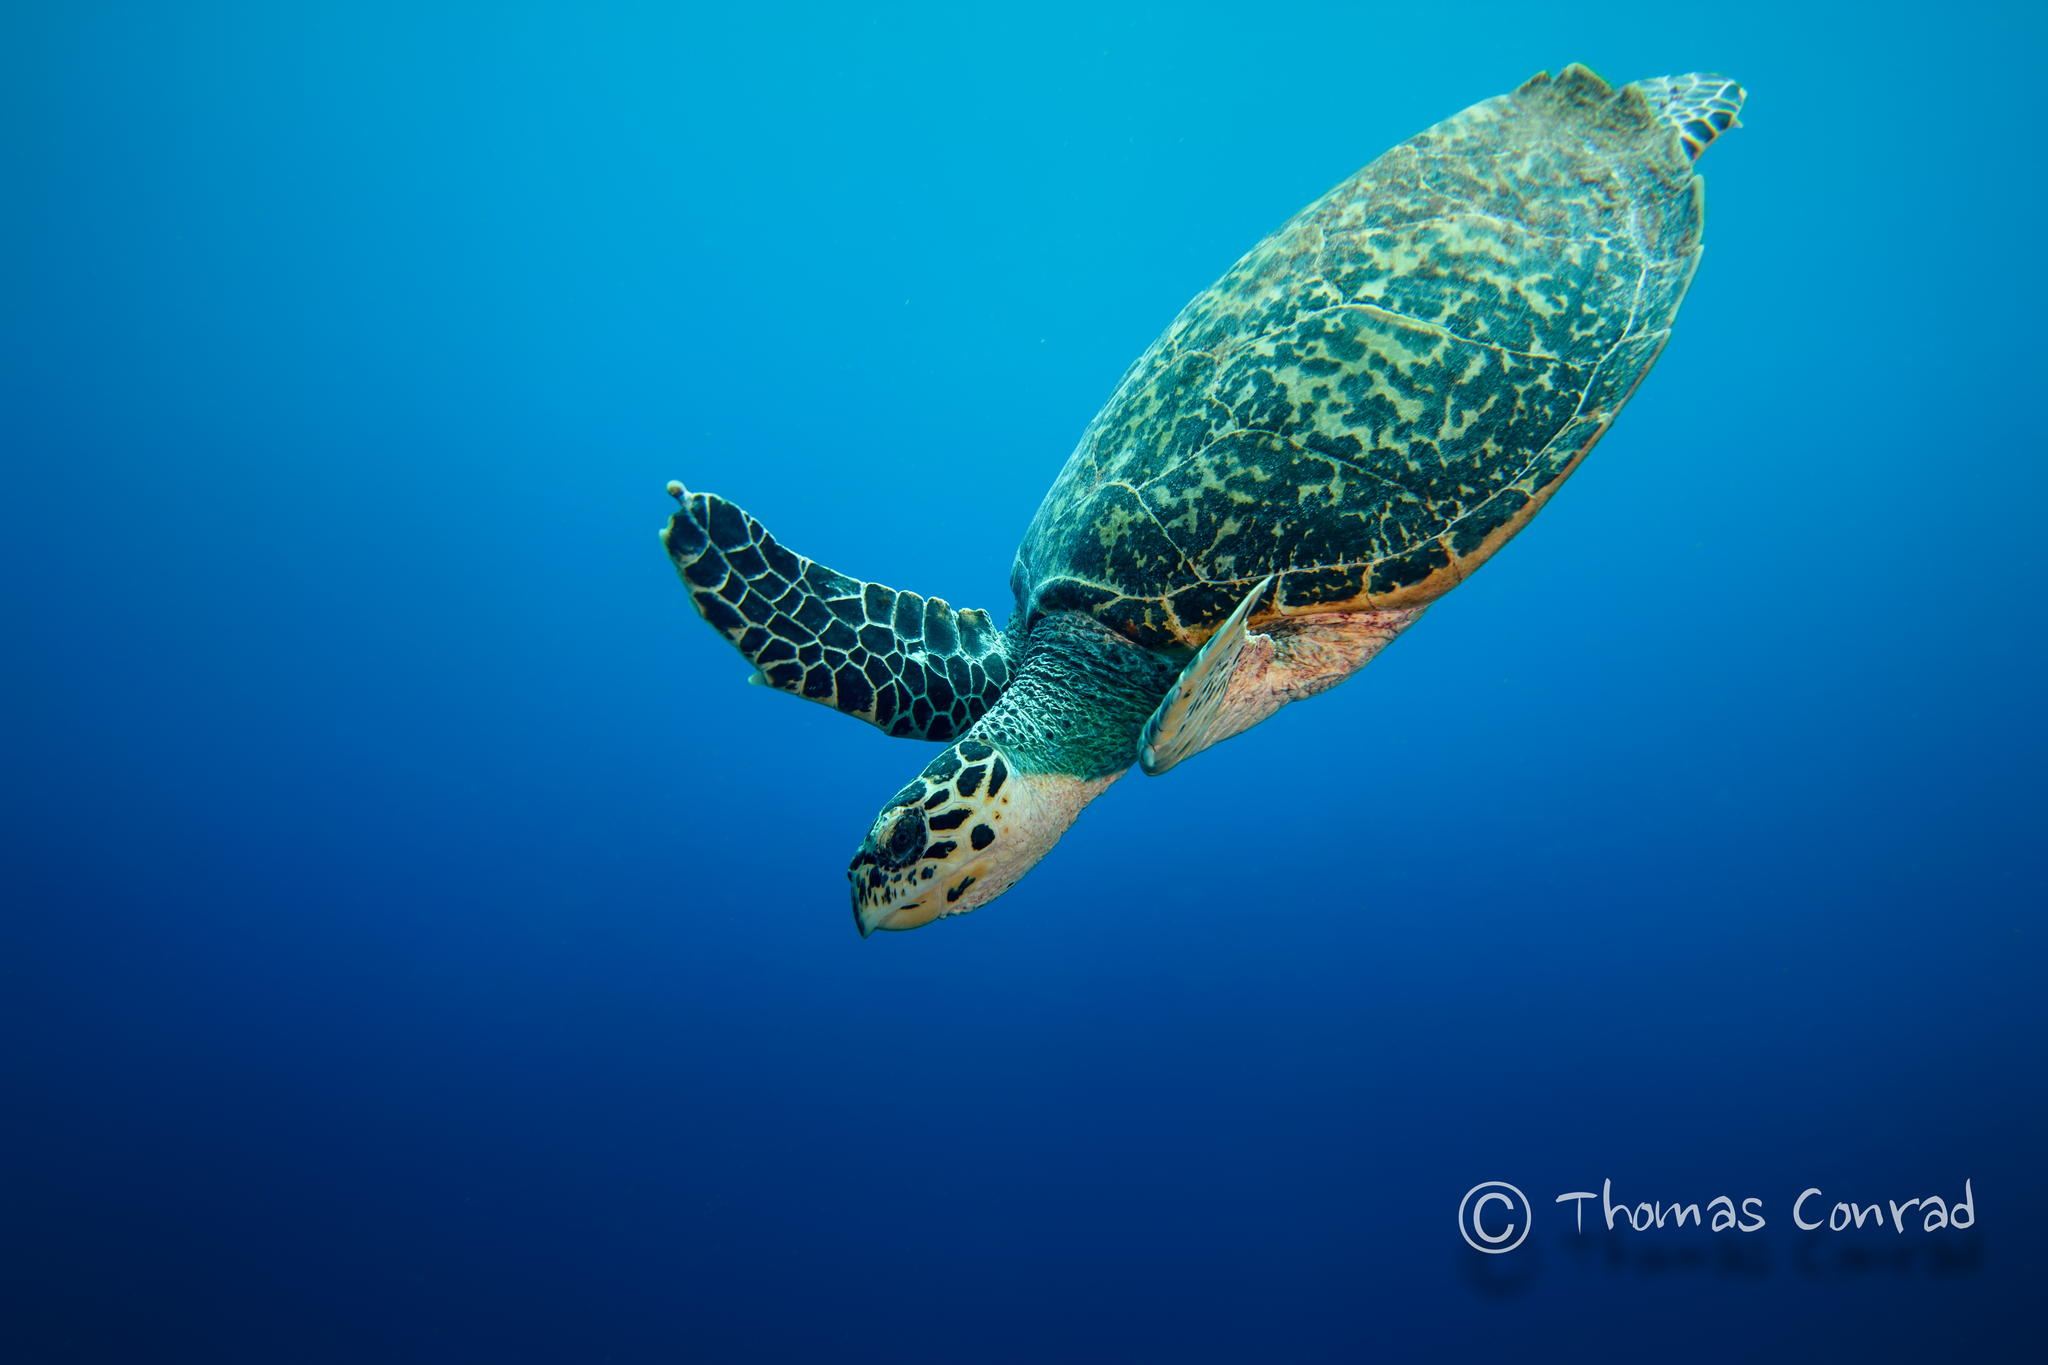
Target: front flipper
(910, 666)
(1195, 713)
(1240, 677)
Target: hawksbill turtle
(1336, 434)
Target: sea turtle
(1353, 419)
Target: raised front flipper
(1197, 713)
(1241, 676)
(911, 666)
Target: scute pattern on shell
(1382, 392)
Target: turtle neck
(1079, 699)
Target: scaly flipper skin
(1189, 720)
(1701, 106)
(1293, 659)
(911, 666)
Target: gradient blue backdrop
(419, 946)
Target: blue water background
(419, 945)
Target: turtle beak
(869, 917)
(863, 874)
(863, 914)
(872, 909)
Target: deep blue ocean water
(419, 945)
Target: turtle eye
(905, 839)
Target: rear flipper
(1701, 106)
(911, 666)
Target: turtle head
(961, 834)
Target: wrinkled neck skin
(1081, 696)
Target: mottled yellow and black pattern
(1384, 391)
(912, 666)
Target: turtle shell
(1381, 393)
